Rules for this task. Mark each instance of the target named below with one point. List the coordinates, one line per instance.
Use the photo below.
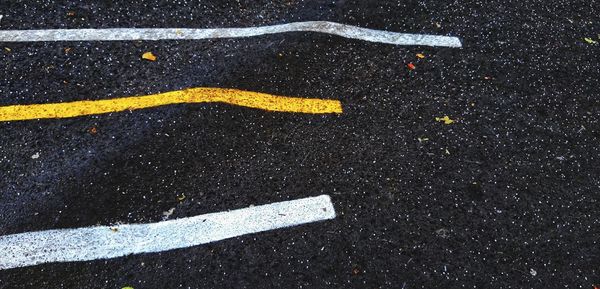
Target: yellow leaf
(181, 197)
(590, 40)
(7, 49)
(445, 120)
(127, 287)
(149, 56)
(419, 55)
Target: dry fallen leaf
(590, 40)
(420, 55)
(7, 49)
(149, 56)
(446, 119)
(411, 66)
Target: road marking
(102, 242)
(121, 34)
(191, 95)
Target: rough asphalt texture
(505, 197)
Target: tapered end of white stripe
(325, 202)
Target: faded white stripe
(115, 34)
(90, 243)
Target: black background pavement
(506, 197)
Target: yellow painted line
(191, 95)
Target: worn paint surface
(103, 242)
(114, 34)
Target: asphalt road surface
(505, 196)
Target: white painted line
(101, 242)
(120, 34)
